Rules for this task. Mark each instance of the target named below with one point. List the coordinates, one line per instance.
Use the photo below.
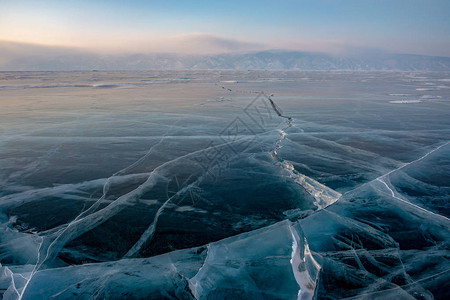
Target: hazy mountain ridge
(24, 57)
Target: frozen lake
(224, 185)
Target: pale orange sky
(400, 26)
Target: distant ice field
(224, 185)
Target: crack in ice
(323, 195)
(148, 233)
(382, 179)
(34, 271)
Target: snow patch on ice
(405, 101)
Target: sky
(139, 26)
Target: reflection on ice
(113, 191)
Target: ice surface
(196, 185)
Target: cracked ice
(326, 189)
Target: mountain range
(28, 57)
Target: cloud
(193, 43)
(11, 52)
(206, 44)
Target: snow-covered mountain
(21, 57)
